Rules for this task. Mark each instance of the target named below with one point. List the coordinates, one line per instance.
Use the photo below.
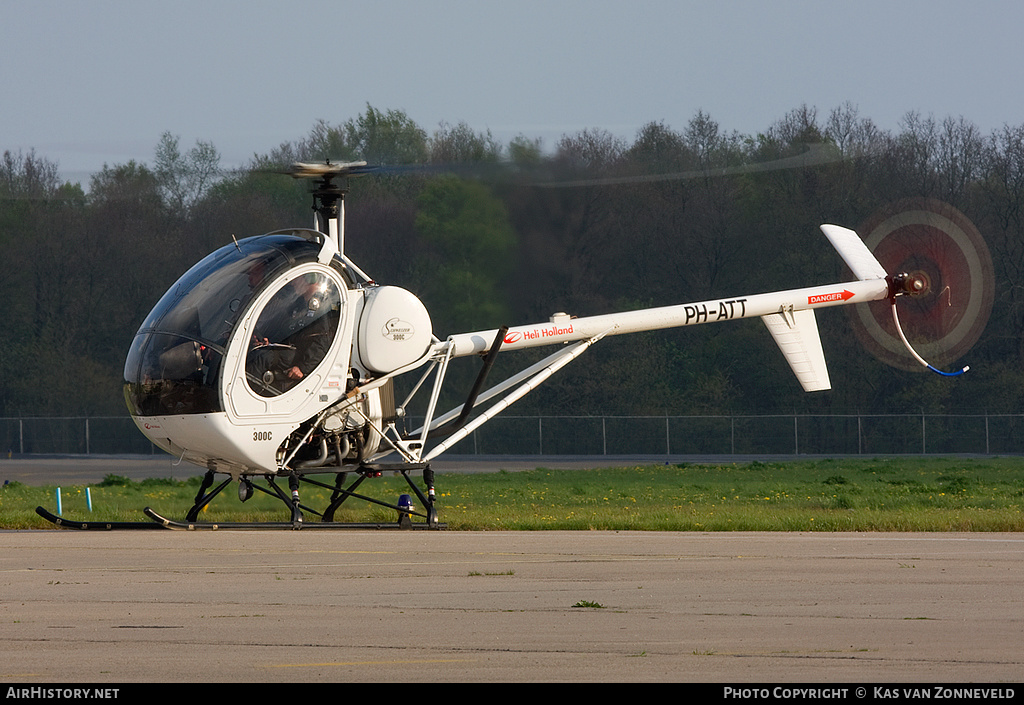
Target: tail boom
(563, 329)
(788, 315)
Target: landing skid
(339, 494)
(94, 525)
(163, 522)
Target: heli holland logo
(547, 332)
(398, 330)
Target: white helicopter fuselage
(275, 354)
(210, 359)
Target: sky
(88, 83)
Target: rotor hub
(916, 283)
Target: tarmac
(404, 607)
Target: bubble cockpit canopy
(175, 363)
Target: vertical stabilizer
(854, 252)
(796, 334)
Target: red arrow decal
(837, 296)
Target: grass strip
(878, 494)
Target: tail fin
(796, 333)
(854, 252)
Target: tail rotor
(946, 295)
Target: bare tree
(853, 135)
(27, 176)
(184, 178)
(917, 144)
(958, 160)
(1003, 191)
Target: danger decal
(843, 295)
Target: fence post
(924, 437)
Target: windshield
(174, 363)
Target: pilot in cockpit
(293, 334)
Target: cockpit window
(174, 364)
(293, 334)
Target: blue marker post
(59, 510)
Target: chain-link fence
(780, 434)
(105, 435)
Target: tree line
(489, 234)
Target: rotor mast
(329, 197)
(329, 204)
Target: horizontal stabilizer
(796, 333)
(854, 252)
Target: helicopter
(276, 356)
